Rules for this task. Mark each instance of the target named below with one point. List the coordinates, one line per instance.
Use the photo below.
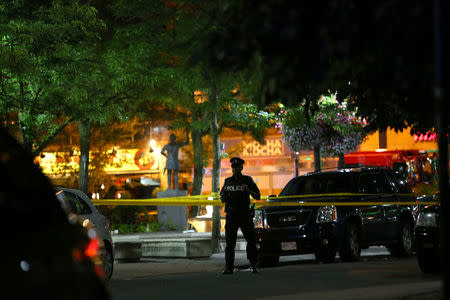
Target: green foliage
(130, 219)
(154, 226)
(136, 228)
(171, 226)
(193, 22)
(40, 51)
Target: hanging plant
(333, 126)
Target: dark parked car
(324, 227)
(427, 235)
(44, 253)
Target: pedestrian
(235, 194)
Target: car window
(373, 183)
(75, 204)
(292, 187)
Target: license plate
(287, 246)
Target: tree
(41, 47)
(194, 21)
(330, 127)
(126, 66)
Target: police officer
(236, 193)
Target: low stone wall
(177, 247)
(128, 251)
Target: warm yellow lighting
(152, 143)
(381, 150)
(200, 97)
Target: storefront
(127, 173)
(272, 165)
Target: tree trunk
(341, 161)
(317, 159)
(198, 168)
(215, 136)
(85, 146)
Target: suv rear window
(400, 182)
(320, 184)
(374, 183)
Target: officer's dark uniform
(239, 214)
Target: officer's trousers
(233, 223)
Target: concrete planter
(177, 247)
(189, 245)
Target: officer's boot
(253, 267)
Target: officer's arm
(253, 190)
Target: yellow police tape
(265, 201)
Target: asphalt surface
(376, 276)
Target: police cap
(236, 161)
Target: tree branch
(46, 141)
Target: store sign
(427, 137)
(271, 148)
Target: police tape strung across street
(214, 200)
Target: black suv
(331, 220)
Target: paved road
(376, 276)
